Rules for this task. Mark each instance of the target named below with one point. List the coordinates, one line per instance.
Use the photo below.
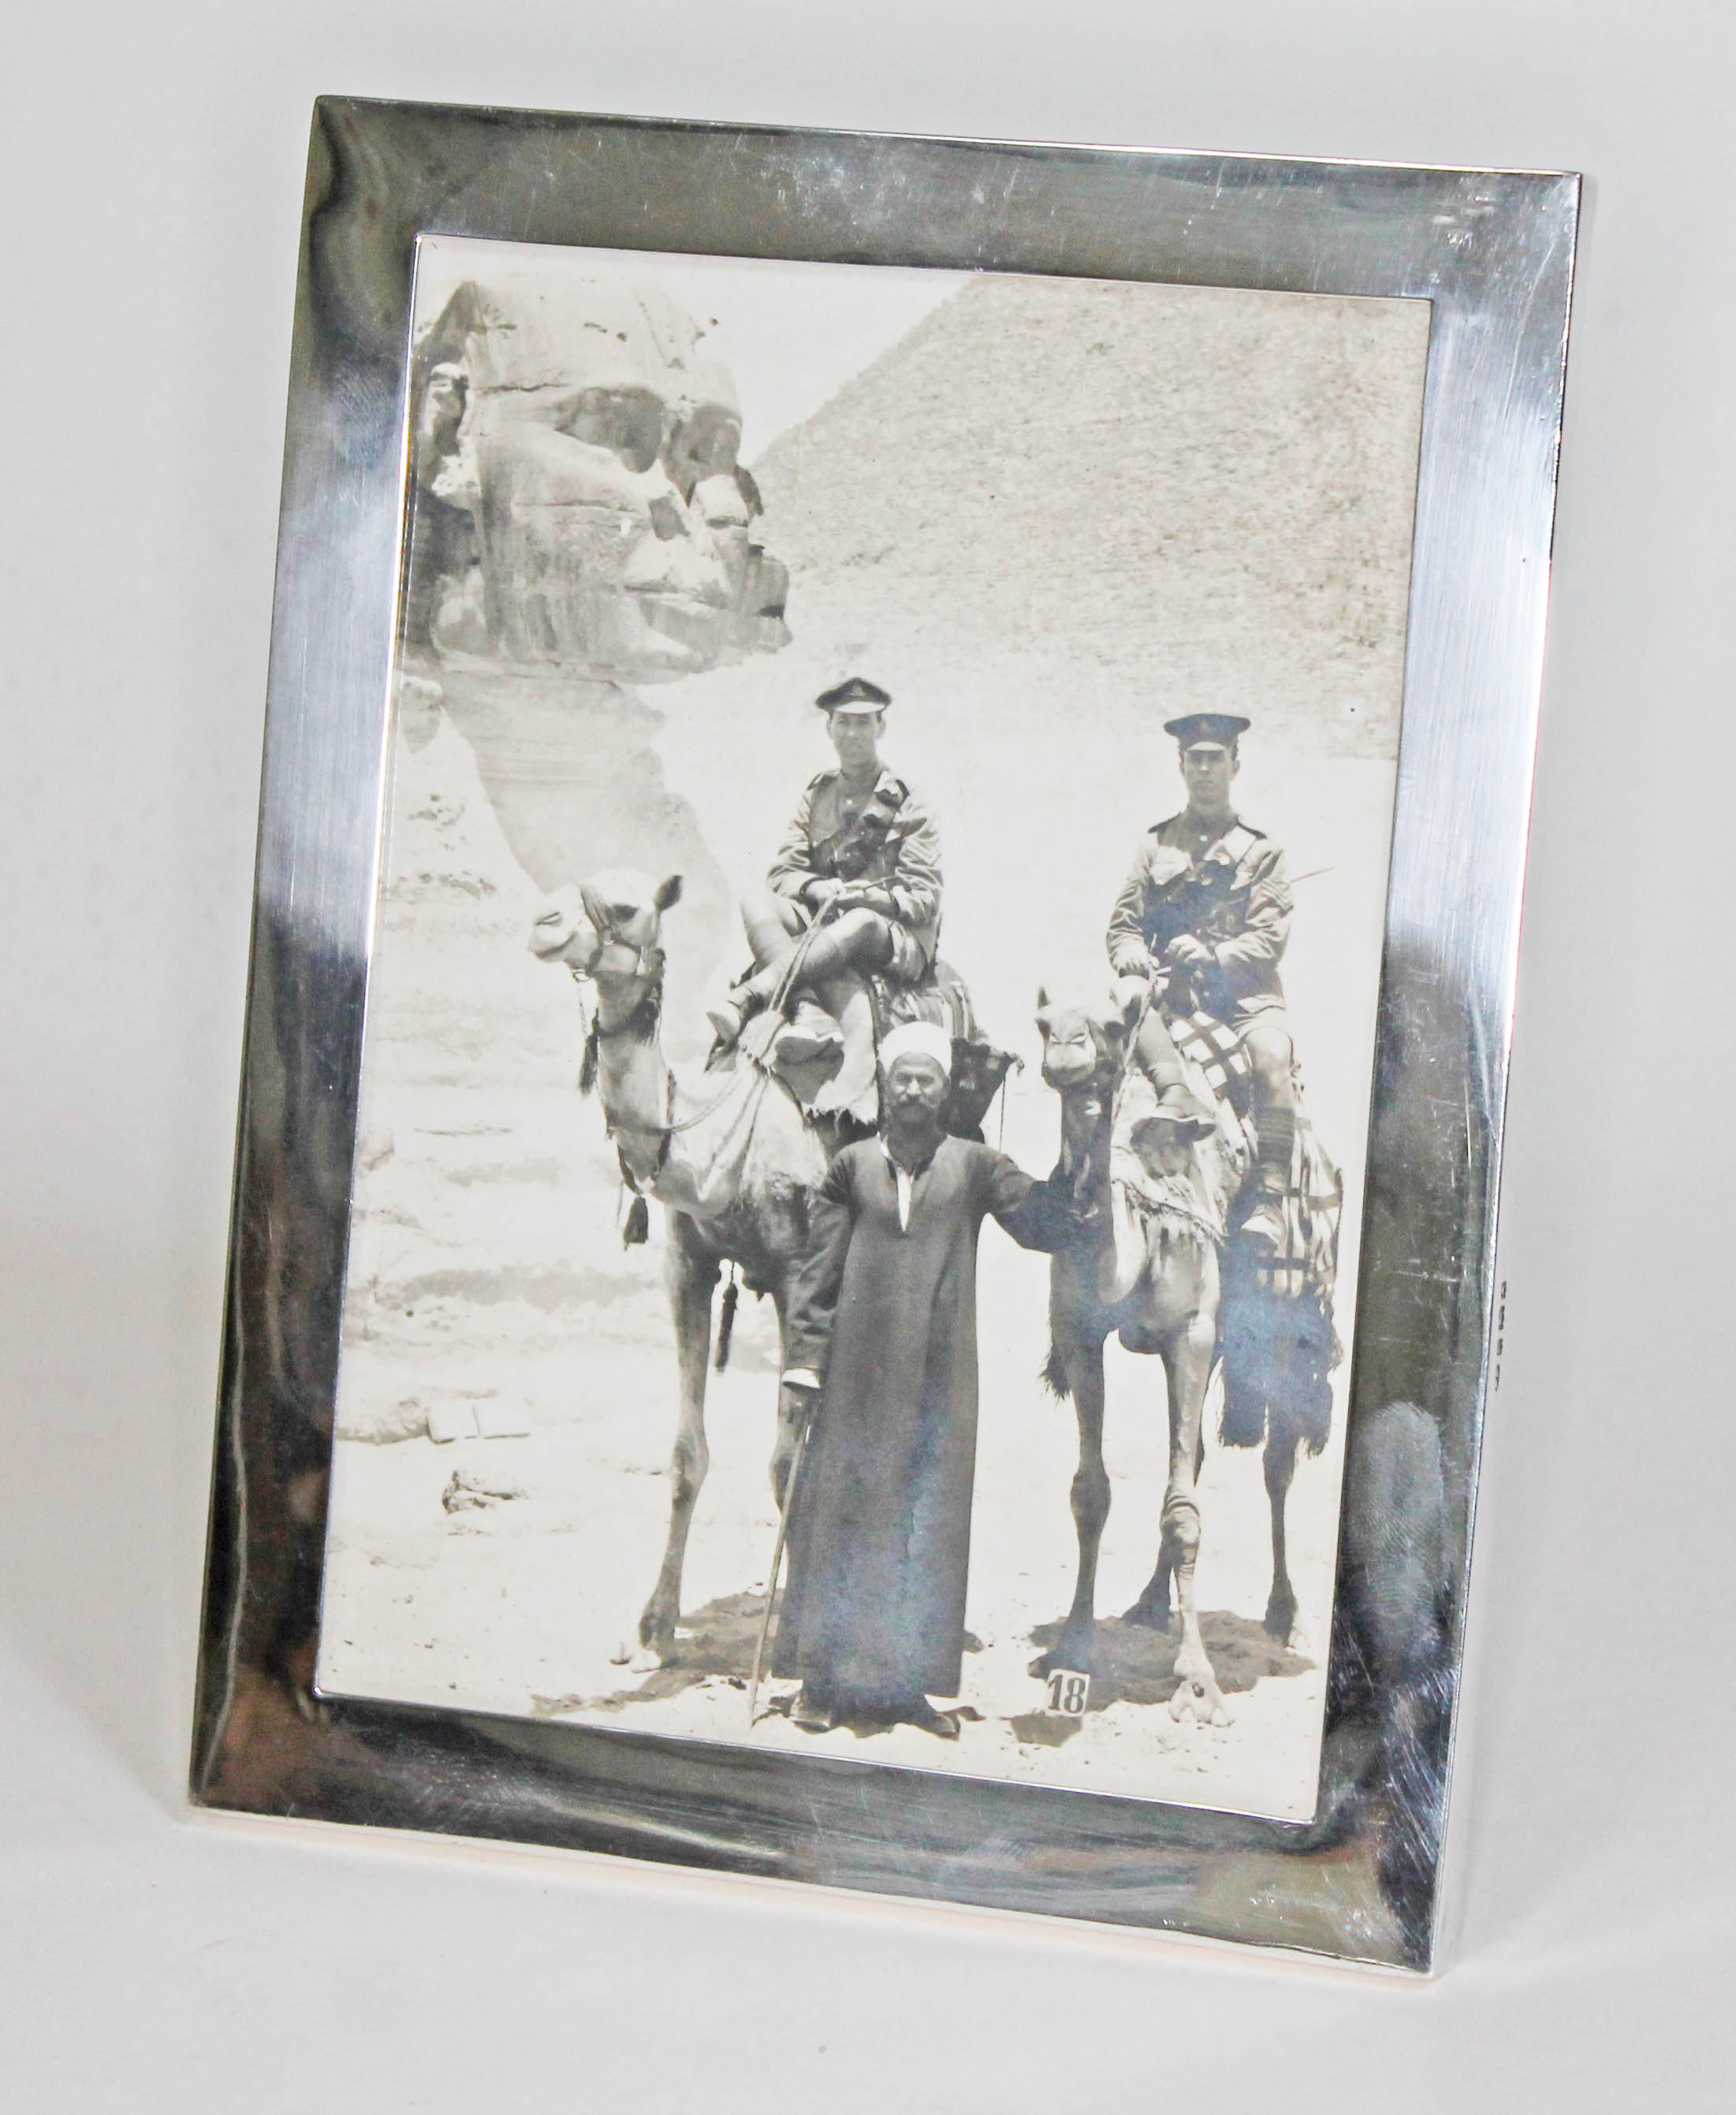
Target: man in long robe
(886, 1311)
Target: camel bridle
(645, 962)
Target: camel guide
(885, 1308)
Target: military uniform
(811, 931)
(1222, 886)
(885, 837)
(1229, 891)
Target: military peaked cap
(1221, 727)
(857, 691)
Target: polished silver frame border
(1493, 252)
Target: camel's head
(1085, 1041)
(607, 927)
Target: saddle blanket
(941, 999)
(1214, 1046)
(1307, 1262)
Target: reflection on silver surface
(1493, 253)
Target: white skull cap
(918, 1039)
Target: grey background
(149, 1960)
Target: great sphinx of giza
(580, 525)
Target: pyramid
(1132, 498)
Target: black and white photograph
(870, 1020)
(846, 850)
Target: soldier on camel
(1200, 924)
(854, 892)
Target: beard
(917, 1129)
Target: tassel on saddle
(636, 1228)
(726, 1328)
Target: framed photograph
(828, 691)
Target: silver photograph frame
(1493, 253)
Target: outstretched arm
(1038, 1215)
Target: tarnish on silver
(1493, 252)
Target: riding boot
(1157, 1054)
(730, 1015)
(826, 952)
(811, 1036)
(1264, 1224)
(837, 948)
(854, 1089)
(1177, 1101)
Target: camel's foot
(1197, 1695)
(1071, 1652)
(1152, 1610)
(1283, 1622)
(657, 1627)
(636, 1659)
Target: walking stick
(771, 1583)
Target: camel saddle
(978, 1067)
(1217, 1070)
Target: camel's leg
(691, 1274)
(1187, 1361)
(1155, 1607)
(1281, 1446)
(1082, 1356)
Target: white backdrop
(156, 156)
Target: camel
(737, 1161)
(731, 1154)
(1164, 1292)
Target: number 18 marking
(1068, 1692)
